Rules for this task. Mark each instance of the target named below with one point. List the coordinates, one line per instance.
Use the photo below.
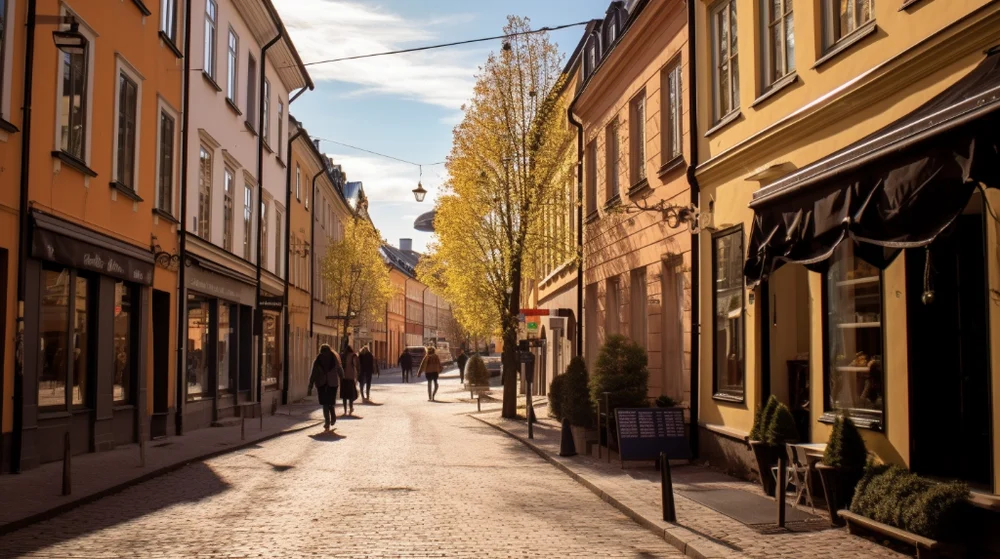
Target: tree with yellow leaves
(356, 277)
(489, 219)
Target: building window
(278, 235)
(199, 319)
(281, 128)
(211, 17)
(611, 160)
(252, 92)
(298, 182)
(726, 76)
(247, 219)
(64, 343)
(128, 96)
(232, 71)
(125, 338)
(205, 195)
(227, 210)
(168, 19)
(591, 160)
(591, 57)
(727, 308)
(612, 306)
(640, 320)
(263, 233)
(843, 17)
(165, 176)
(779, 40)
(637, 137)
(4, 79)
(225, 363)
(73, 106)
(265, 109)
(671, 103)
(852, 304)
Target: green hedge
(762, 419)
(576, 404)
(556, 397)
(476, 373)
(621, 370)
(846, 447)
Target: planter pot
(767, 457)
(838, 489)
(581, 436)
(925, 547)
(476, 389)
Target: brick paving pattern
(410, 479)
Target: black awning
(897, 188)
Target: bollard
(779, 491)
(479, 402)
(566, 445)
(530, 414)
(667, 488)
(67, 482)
(142, 451)
(261, 409)
(243, 427)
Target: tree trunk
(510, 361)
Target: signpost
(645, 433)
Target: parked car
(417, 352)
(494, 365)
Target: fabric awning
(897, 188)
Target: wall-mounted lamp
(71, 41)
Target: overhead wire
(381, 154)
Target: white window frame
(281, 128)
(211, 40)
(612, 160)
(163, 107)
(590, 157)
(200, 230)
(228, 226)
(768, 67)
(280, 222)
(232, 66)
(637, 137)
(830, 16)
(91, 36)
(732, 63)
(298, 182)
(168, 9)
(672, 134)
(248, 220)
(265, 107)
(122, 66)
(8, 61)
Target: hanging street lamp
(419, 193)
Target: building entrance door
(950, 426)
(161, 361)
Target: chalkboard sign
(643, 433)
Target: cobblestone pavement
(407, 478)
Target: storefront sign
(270, 303)
(643, 433)
(203, 281)
(49, 245)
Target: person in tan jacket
(431, 366)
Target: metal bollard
(479, 402)
(67, 482)
(243, 428)
(667, 488)
(779, 491)
(530, 415)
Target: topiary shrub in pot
(666, 402)
(556, 396)
(477, 377)
(575, 405)
(843, 465)
(620, 371)
(764, 453)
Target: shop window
(843, 17)
(777, 27)
(670, 106)
(226, 338)
(272, 350)
(65, 341)
(611, 160)
(637, 138)
(125, 337)
(729, 355)
(725, 51)
(199, 333)
(211, 19)
(227, 210)
(852, 300)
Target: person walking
(406, 365)
(326, 374)
(461, 361)
(349, 388)
(369, 367)
(431, 366)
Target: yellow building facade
(837, 271)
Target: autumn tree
(356, 278)
(505, 157)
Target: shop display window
(65, 340)
(199, 331)
(727, 306)
(124, 342)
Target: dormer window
(612, 31)
(591, 58)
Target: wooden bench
(926, 548)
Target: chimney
(316, 143)
(406, 245)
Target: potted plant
(556, 397)
(477, 378)
(764, 453)
(843, 465)
(666, 402)
(621, 372)
(575, 403)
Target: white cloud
(325, 29)
(386, 180)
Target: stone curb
(16, 525)
(676, 535)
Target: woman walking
(348, 389)
(431, 366)
(406, 365)
(326, 375)
(368, 369)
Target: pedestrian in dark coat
(368, 369)
(431, 366)
(326, 375)
(406, 365)
(348, 388)
(461, 361)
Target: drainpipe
(579, 227)
(22, 241)
(695, 238)
(260, 217)
(312, 250)
(182, 230)
(423, 315)
(288, 208)
(406, 314)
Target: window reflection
(54, 332)
(199, 322)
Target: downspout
(695, 237)
(259, 326)
(22, 241)
(423, 315)
(182, 230)
(312, 253)
(288, 208)
(579, 226)
(406, 314)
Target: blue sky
(404, 105)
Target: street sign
(527, 357)
(535, 312)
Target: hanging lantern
(419, 193)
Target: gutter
(695, 371)
(312, 250)
(288, 208)
(17, 439)
(259, 324)
(579, 225)
(182, 231)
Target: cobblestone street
(406, 478)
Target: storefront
(87, 306)
(219, 349)
(272, 372)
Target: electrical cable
(381, 154)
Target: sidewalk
(700, 532)
(35, 495)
